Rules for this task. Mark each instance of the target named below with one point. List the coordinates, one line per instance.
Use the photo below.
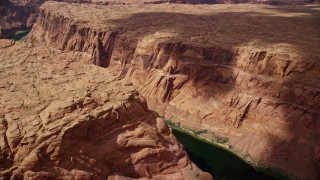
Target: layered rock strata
(60, 118)
(246, 72)
(21, 14)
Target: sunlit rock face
(246, 72)
(21, 14)
(60, 118)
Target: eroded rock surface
(246, 72)
(21, 14)
(60, 118)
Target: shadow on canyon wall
(293, 102)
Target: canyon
(63, 119)
(247, 73)
(21, 14)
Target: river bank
(19, 35)
(219, 158)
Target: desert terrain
(244, 72)
(63, 119)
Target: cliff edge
(244, 72)
(63, 119)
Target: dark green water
(222, 164)
(19, 35)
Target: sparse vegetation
(173, 124)
(170, 122)
(198, 132)
(220, 139)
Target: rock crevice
(252, 85)
(64, 119)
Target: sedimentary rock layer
(20, 14)
(63, 119)
(247, 72)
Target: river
(223, 165)
(19, 35)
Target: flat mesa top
(225, 25)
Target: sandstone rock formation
(246, 72)
(126, 2)
(21, 14)
(63, 119)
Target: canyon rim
(85, 77)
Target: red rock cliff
(245, 72)
(61, 119)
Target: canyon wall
(244, 72)
(21, 14)
(61, 119)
